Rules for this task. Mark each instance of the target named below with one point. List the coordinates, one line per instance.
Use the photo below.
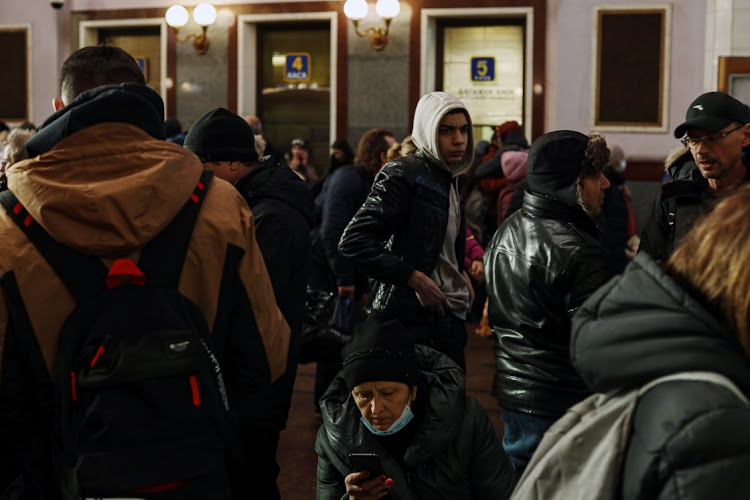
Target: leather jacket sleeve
(585, 274)
(365, 238)
(330, 481)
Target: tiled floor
(297, 456)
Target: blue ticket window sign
(482, 69)
(297, 67)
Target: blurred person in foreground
(407, 404)
(689, 439)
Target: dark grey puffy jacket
(690, 440)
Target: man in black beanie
(283, 212)
(540, 265)
(406, 404)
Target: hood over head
(130, 103)
(513, 164)
(555, 161)
(430, 111)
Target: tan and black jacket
(106, 190)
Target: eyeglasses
(709, 140)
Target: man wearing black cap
(283, 212)
(715, 131)
(540, 266)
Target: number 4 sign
(297, 67)
(482, 69)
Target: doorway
(484, 56)
(287, 77)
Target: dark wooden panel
(14, 84)
(630, 56)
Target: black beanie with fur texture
(380, 351)
(555, 161)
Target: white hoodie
(430, 111)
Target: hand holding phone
(366, 461)
(374, 484)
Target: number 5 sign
(297, 67)
(482, 69)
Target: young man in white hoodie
(409, 234)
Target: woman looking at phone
(407, 405)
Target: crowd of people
(172, 280)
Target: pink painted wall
(50, 45)
(569, 86)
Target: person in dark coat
(341, 195)
(410, 235)
(406, 404)
(716, 131)
(283, 212)
(689, 439)
(540, 265)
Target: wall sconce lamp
(356, 10)
(204, 14)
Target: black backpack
(140, 408)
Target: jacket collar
(541, 206)
(124, 103)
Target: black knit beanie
(380, 351)
(555, 162)
(221, 135)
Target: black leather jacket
(541, 264)
(399, 228)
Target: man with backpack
(137, 318)
(283, 212)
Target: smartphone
(366, 461)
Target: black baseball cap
(713, 111)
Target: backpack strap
(697, 376)
(163, 257)
(83, 275)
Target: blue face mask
(396, 426)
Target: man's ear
(383, 157)
(57, 104)
(746, 135)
